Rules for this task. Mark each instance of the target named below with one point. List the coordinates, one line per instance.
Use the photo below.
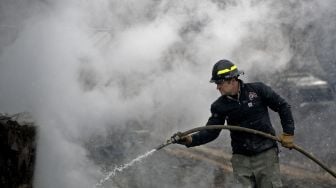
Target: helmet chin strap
(236, 88)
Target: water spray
(251, 131)
(123, 167)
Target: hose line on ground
(252, 131)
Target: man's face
(226, 87)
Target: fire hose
(252, 131)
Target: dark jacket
(250, 111)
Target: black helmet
(224, 69)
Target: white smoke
(81, 67)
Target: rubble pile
(17, 151)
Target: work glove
(287, 140)
(179, 138)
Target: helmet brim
(237, 74)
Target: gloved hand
(179, 138)
(287, 140)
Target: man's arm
(278, 104)
(206, 136)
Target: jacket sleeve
(206, 136)
(278, 104)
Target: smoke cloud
(84, 68)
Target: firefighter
(255, 160)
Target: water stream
(123, 167)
